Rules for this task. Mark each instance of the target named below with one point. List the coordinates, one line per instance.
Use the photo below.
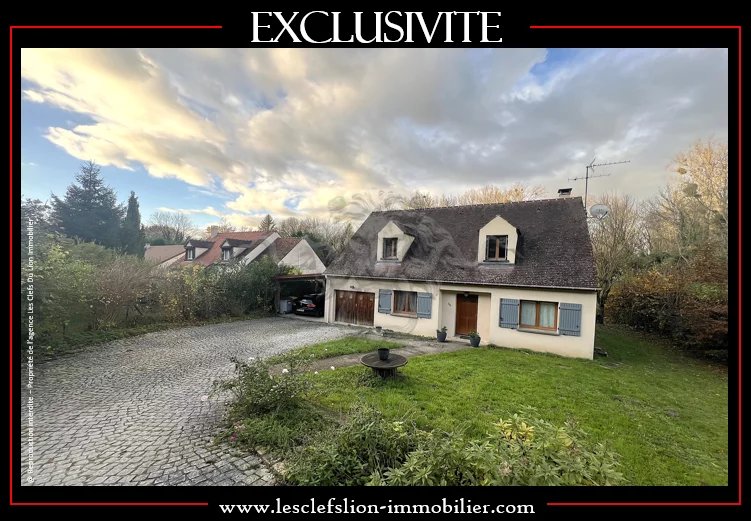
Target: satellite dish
(599, 211)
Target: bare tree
(223, 226)
(419, 200)
(703, 169)
(616, 241)
(171, 227)
(489, 194)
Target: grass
(665, 413)
(341, 346)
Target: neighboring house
(164, 256)
(520, 274)
(245, 247)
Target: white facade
(303, 258)
(498, 226)
(443, 313)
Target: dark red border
(72, 503)
(740, 321)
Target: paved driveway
(136, 411)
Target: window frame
(227, 251)
(537, 325)
(412, 299)
(498, 239)
(387, 240)
(190, 253)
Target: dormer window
(190, 253)
(389, 248)
(495, 248)
(226, 254)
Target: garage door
(355, 307)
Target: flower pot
(474, 341)
(441, 336)
(383, 353)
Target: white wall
(170, 262)
(414, 326)
(489, 300)
(304, 258)
(498, 226)
(403, 242)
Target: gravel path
(136, 411)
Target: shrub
(357, 449)
(257, 391)
(370, 450)
(519, 451)
(281, 431)
(687, 304)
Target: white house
(521, 275)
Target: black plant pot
(383, 353)
(474, 341)
(441, 336)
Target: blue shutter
(570, 322)
(509, 316)
(384, 300)
(424, 305)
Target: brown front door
(355, 307)
(466, 314)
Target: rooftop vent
(564, 192)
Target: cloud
(270, 126)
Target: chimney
(564, 192)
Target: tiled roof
(283, 245)
(214, 253)
(553, 248)
(199, 243)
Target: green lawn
(665, 414)
(341, 346)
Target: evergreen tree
(89, 211)
(132, 235)
(267, 224)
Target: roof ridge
(478, 204)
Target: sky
(239, 133)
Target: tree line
(662, 263)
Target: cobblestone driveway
(135, 411)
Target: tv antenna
(591, 167)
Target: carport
(289, 286)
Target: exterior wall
(199, 252)
(304, 258)
(414, 326)
(403, 242)
(488, 312)
(498, 226)
(260, 248)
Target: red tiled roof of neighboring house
(159, 254)
(214, 253)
